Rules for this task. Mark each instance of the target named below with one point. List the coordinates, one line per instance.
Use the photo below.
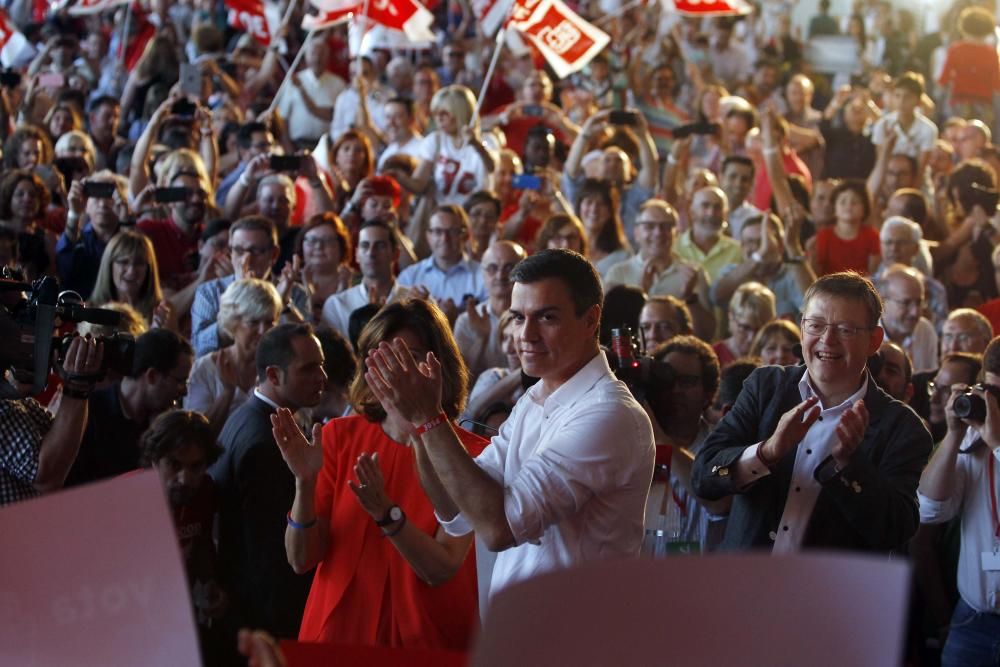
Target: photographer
(37, 449)
(97, 206)
(961, 479)
(677, 411)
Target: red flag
(327, 19)
(85, 7)
(12, 42)
(408, 16)
(248, 15)
(566, 40)
(707, 7)
(490, 14)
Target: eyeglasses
(842, 330)
(907, 304)
(253, 250)
(687, 381)
(935, 388)
(492, 269)
(960, 338)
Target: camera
(27, 325)
(643, 375)
(972, 407)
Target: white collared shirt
(256, 392)
(803, 490)
(576, 468)
(338, 307)
(979, 589)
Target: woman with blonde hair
(750, 308)
(453, 156)
(775, 343)
(221, 381)
(129, 273)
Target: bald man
(476, 328)
(705, 242)
(902, 288)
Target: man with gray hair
(901, 240)
(966, 330)
(902, 288)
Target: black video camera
(27, 325)
(972, 407)
(644, 375)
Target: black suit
(870, 505)
(256, 491)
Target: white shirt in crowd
(458, 172)
(915, 141)
(323, 90)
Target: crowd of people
(369, 298)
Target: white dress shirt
(323, 90)
(803, 491)
(979, 588)
(338, 307)
(576, 468)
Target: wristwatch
(392, 516)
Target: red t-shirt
(836, 254)
(176, 252)
(761, 196)
(364, 592)
(991, 309)
(973, 72)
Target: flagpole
(361, 39)
(291, 70)
(124, 40)
(501, 33)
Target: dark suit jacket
(256, 490)
(870, 505)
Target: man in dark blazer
(256, 488)
(818, 456)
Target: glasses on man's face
(907, 304)
(842, 330)
(252, 250)
(452, 232)
(960, 338)
(936, 388)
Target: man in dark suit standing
(817, 456)
(256, 489)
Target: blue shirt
(78, 263)
(455, 283)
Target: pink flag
(248, 15)
(707, 7)
(566, 40)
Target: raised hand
(400, 383)
(161, 315)
(305, 460)
(478, 322)
(850, 432)
(370, 488)
(792, 427)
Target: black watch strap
(392, 515)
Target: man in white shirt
(307, 102)
(476, 328)
(914, 134)
(400, 134)
(836, 460)
(345, 110)
(902, 287)
(566, 479)
(962, 479)
(658, 271)
(376, 253)
(737, 182)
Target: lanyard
(673, 492)
(993, 496)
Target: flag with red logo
(248, 16)
(328, 19)
(14, 47)
(491, 14)
(407, 16)
(566, 40)
(86, 7)
(707, 7)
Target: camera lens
(969, 406)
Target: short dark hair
(275, 347)
(404, 102)
(256, 223)
(338, 357)
(622, 306)
(483, 197)
(244, 137)
(741, 160)
(858, 187)
(911, 82)
(104, 100)
(991, 357)
(578, 274)
(914, 204)
(389, 227)
(965, 176)
(848, 285)
(732, 377)
(706, 356)
(159, 349)
(174, 429)
(684, 321)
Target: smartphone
(171, 195)
(286, 162)
(624, 118)
(10, 78)
(191, 80)
(71, 167)
(526, 182)
(533, 110)
(51, 80)
(701, 127)
(98, 190)
(183, 108)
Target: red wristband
(433, 423)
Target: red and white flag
(566, 40)
(14, 47)
(86, 7)
(327, 19)
(491, 14)
(408, 16)
(707, 7)
(248, 16)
